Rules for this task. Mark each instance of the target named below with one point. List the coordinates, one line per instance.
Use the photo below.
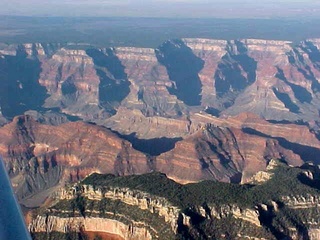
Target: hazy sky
(162, 8)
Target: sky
(163, 8)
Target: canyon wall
(151, 206)
(195, 109)
(274, 79)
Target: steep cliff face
(260, 76)
(261, 97)
(210, 51)
(157, 208)
(264, 77)
(228, 83)
(234, 148)
(149, 83)
(40, 156)
(142, 200)
(274, 79)
(71, 82)
(206, 154)
(164, 220)
(208, 99)
(130, 214)
(20, 89)
(175, 55)
(225, 108)
(114, 84)
(93, 225)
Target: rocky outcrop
(302, 202)
(225, 211)
(143, 200)
(125, 212)
(274, 79)
(257, 142)
(207, 209)
(54, 155)
(314, 234)
(41, 156)
(260, 96)
(210, 51)
(95, 225)
(224, 154)
(260, 76)
(230, 150)
(233, 104)
(149, 83)
(134, 121)
(160, 206)
(227, 108)
(261, 177)
(309, 204)
(270, 90)
(175, 55)
(71, 82)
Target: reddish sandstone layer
(282, 84)
(71, 81)
(72, 144)
(221, 153)
(102, 236)
(42, 156)
(274, 79)
(149, 81)
(221, 149)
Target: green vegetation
(286, 181)
(276, 223)
(153, 183)
(79, 204)
(231, 228)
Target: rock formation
(153, 207)
(39, 156)
(276, 80)
(194, 109)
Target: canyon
(276, 80)
(193, 109)
(135, 207)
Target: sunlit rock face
(261, 76)
(40, 156)
(96, 226)
(152, 206)
(273, 79)
(195, 109)
(71, 82)
(149, 83)
(223, 153)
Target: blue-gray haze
(163, 8)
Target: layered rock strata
(39, 156)
(167, 210)
(274, 79)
